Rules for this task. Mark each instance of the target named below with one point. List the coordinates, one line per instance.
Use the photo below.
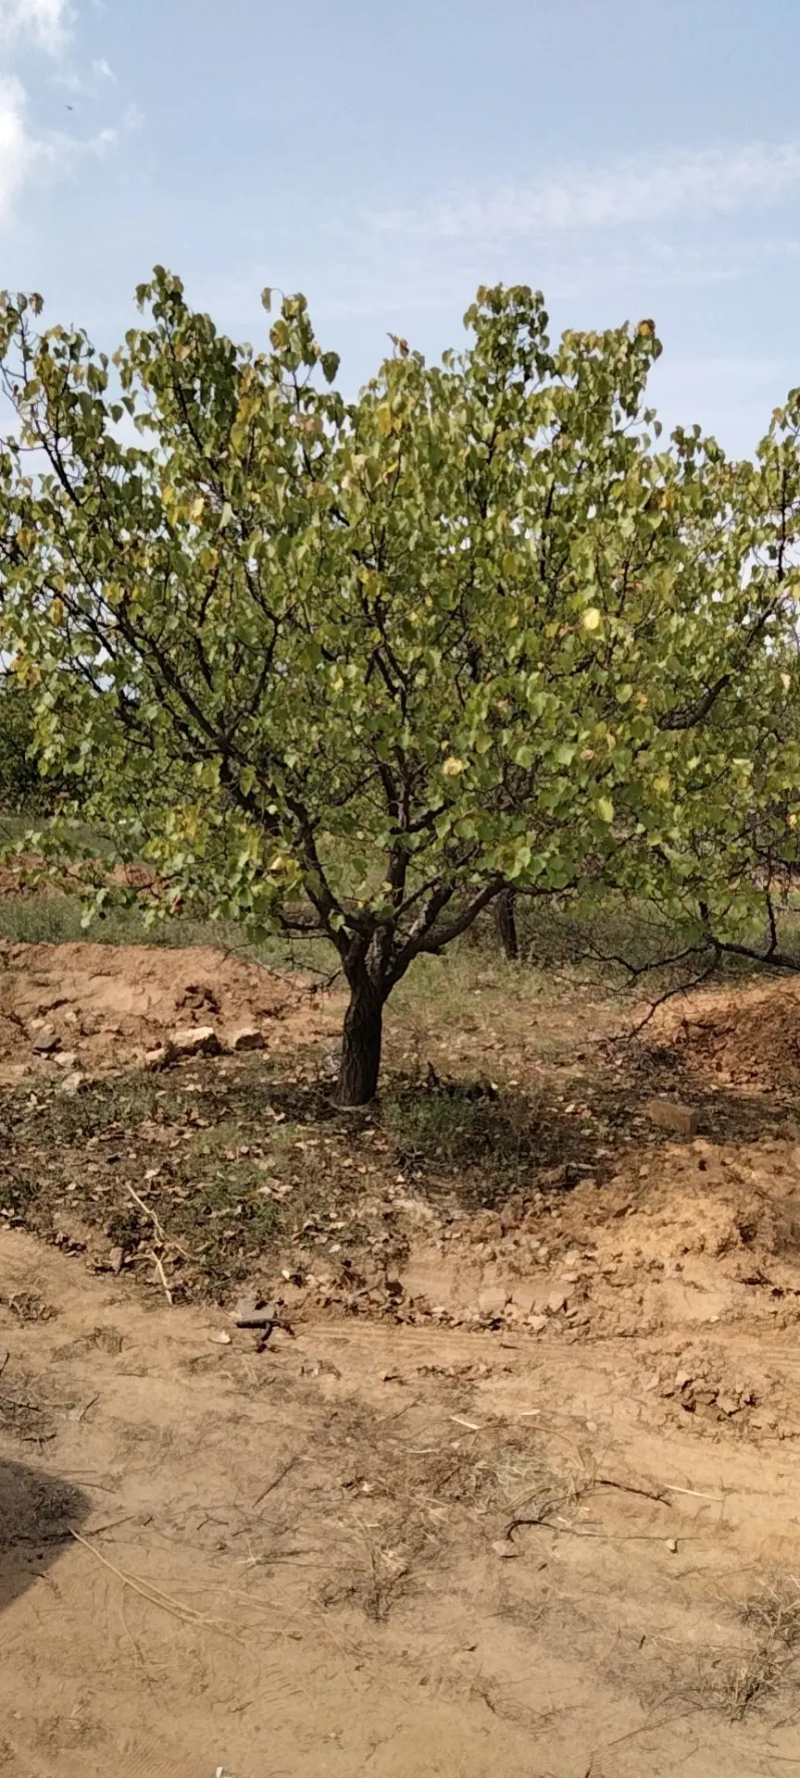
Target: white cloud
(46, 26)
(47, 22)
(15, 144)
(676, 187)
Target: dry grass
(423, 1489)
(751, 1675)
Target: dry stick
(602, 1481)
(575, 1531)
(695, 1493)
(159, 1230)
(276, 1481)
(162, 1275)
(163, 1239)
(154, 1596)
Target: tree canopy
(355, 667)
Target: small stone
(159, 1057)
(116, 1259)
(196, 1040)
(537, 1323)
(728, 1404)
(669, 1115)
(220, 1339)
(493, 1300)
(557, 1301)
(248, 1037)
(255, 1314)
(672, 1545)
(66, 1059)
(504, 1548)
(416, 1208)
(73, 1084)
(46, 1042)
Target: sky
(630, 158)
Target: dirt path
(300, 1560)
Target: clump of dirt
(103, 1006)
(747, 1037)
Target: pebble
(248, 1037)
(493, 1301)
(196, 1040)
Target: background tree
(357, 668)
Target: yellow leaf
(57, 611)
(591, 618)
(453, 767)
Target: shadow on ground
(37, 1514)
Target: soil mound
(745, 1037)
(105, 1005)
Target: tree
(357, 668)
(22, 788)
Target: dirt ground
(511, 1485)
(106, 1005)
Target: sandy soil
(107, 1005)
(748, 1036)
(315, 1559)
(511, 1493)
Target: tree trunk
(360, 1062)
(506, 923)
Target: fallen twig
(154, 1595)
(162, 1277)
(158, 1226)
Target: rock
(537, 1323)
(46, 1042)
(557, 1301)
(248, 1037)
(512, 1214)
(221, 1339)
(416, 1208)
(160, 1057)
(74, 1083)
(728, 1404)
(493, 1300)
(669, 1115)
(116, 1259)
(66, 1059)
(255, 1314)
(196, 1040)
(672, 1545)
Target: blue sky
(628, 158)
